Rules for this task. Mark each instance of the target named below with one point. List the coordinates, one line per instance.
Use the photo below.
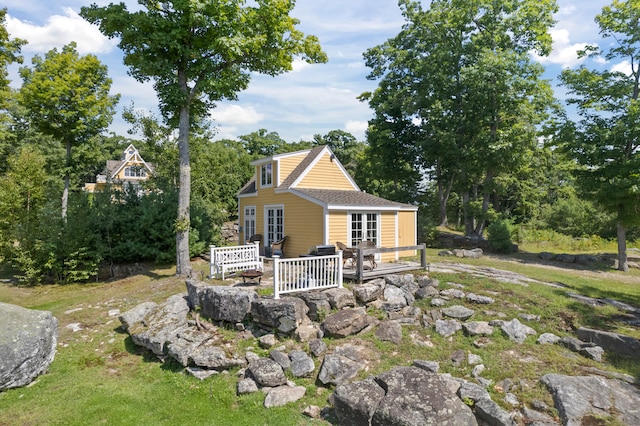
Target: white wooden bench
(235, 258)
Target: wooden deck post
(423, 256)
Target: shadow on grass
(534, 258)
(169, 364)
(598, 293)
(146, 354)
(627, 304)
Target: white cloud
(564, 52)
(623, 67)
(356, 128)
(226, 132)
(299, 64)
(58, 31)
(236, 114)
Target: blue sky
(312, 99)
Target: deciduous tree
(66, 95)
(197, 53)
(608, 137)
(459, 96)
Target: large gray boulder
(402, 396)
(416, 397)
(27, 344)
(284, 314)
(355, 403)
(136, 314)
(159, 324)
(221, 303)
(580, 398)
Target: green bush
(499, 236)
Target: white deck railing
(235, 258)
(306, 273)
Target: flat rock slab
(458, 312)
(447, 328)
(390, 331)
(283, 395)
(346, 322)
(612, 342)
(580, 398)
(27, 344)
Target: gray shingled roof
(349, 198)
(249, 187)
(300, 168)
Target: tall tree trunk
(443, 199)
(183, 266)
(468, 217)
(486, 197)
(622, 247)
(67, 179)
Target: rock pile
(403, 395)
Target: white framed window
(364, 226)
(273, 224)
(266, 175)
(249, 221)
(135, 171)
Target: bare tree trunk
(623, 265)
(65, 191)
(183, 266)
(468, 217)
(443, 199)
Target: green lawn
(100, 377)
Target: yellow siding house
(310, 198)
(131, 170)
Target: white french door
(249, 222)
(273, 224)
(364, 226)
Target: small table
(252, 274)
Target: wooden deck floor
(350, 273)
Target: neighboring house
(130, 171)
(309, 197)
